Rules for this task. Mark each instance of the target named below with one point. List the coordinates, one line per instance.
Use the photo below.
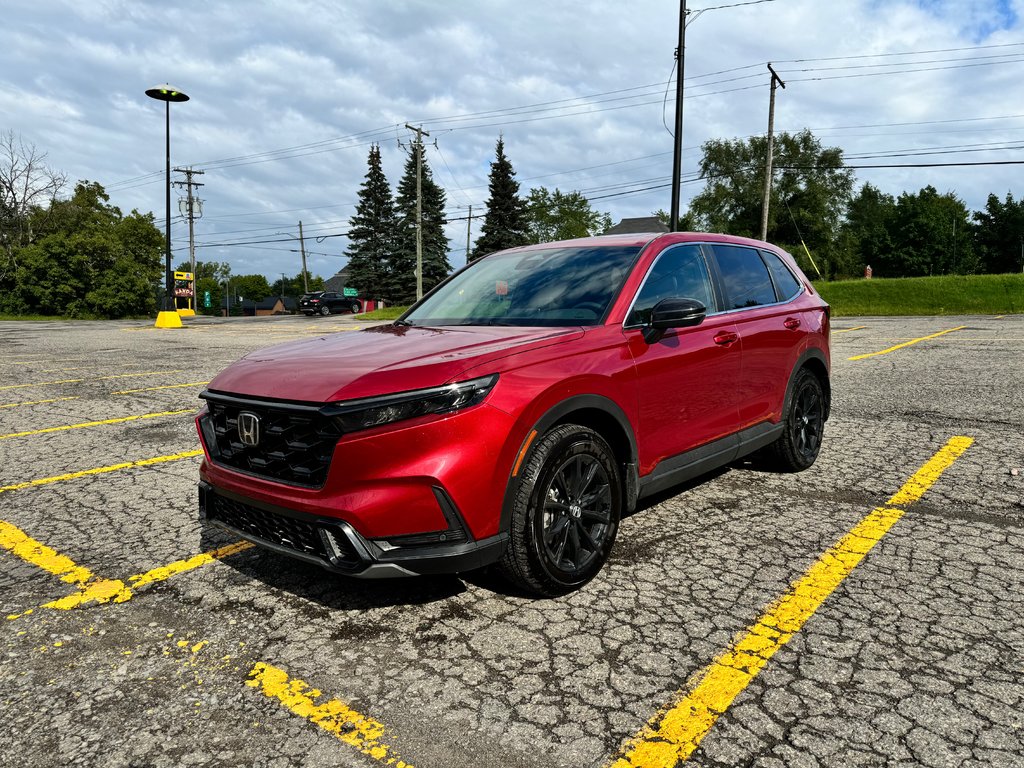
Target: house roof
(636, 225)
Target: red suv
(518, 411)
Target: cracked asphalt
(246, 658)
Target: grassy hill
(945, 295)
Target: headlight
(355, 415)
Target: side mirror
(677, 313)
(674, 313)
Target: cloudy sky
(286, 98)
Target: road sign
(350, 292)
(206, 299)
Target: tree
(999, 235)
(865, 238)
(87, 259)
(562, 216)
(810, 190)
(506, 222)
(251, 287)
(930, 235)
(400, 278)
(372, 232)
(27, 188)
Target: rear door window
(745, 277)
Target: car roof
(640, 239)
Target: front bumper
(335, 545)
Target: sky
(286, 99)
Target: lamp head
(166, 92)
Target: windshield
(550, 287)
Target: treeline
(813, 203)
(382, 233)
(217, 289)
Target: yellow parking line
(165, 386)
(86, 424)
(335, 717)
(91, 378)
(41, 384)
(672, 735)
(100, 470)
(38, 402)
(847, 330)
(20, 544)
(130, 375)
(92, 589)
(907, 344)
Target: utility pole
(469, 230)
(677, 155)
(191, 204)
(776, 80)
(302, 247)
(420, 133)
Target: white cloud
(272, 75)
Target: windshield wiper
(402, 323)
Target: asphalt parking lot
(866, 612)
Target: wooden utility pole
(677, 154)
(776, 80)
(302, 248)
(190, 212)
(469, 230)
(420, 133)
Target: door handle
(725, 338)
(792, 323)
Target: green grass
(945, 295)
(388, 313)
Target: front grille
(295, 444)
(302, 536)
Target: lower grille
(301, 536)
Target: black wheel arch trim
(557, 414)
(811, 354)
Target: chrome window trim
(797, 295)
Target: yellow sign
(182, 275)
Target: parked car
(521, 408)
(328, 302)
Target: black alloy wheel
(566, 512)
(800, 442)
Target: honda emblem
(249, 429)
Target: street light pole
(168, 317)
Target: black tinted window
(746, 279)
(786, 285)
(679, 273)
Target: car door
(769, 331)
(686, 378)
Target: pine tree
(401, 279)
(372, 230)
(505, 223)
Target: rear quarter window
(786, 284)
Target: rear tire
(356, 308)
(797, 448)
(325, 310)
(565, 512)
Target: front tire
(798, 446)
(565, 512)
(325, 310)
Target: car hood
(376, 361)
